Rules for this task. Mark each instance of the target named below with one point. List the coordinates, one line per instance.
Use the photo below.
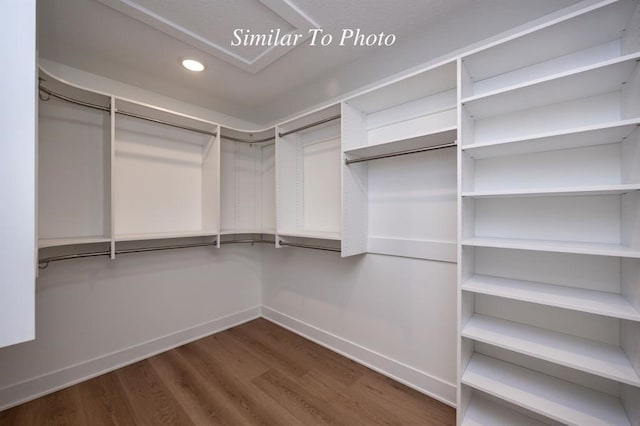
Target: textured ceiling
(141, 42)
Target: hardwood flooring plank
(277, 358)
(224, 346)
(293, 397)
(152, 402)
(359, 410)
(59, 408)
(21, 415)
(203, 403)
(103, 401)
(392, 395)
(318, 357)
(255, 407)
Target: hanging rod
(282, 243)
(245, 241)
(396, 154)
(159, 248)
(45, 262)
(316, 123)
(231, 138)
(71, 100)
(167, 123)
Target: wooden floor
(256, 373)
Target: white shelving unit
(549, 243)
(247, 182)
(403, 200)
(308, 177)
(557, 399)
(74, 159)
(166, 179)
(484, 410)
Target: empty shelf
(575, 352)
(554, 398)
(599, 249)
(56, 242)
(163, 235)
(483, 412)
(607, 133)
(550, 192)
(312, 234)
(577, 299)
(604, 77)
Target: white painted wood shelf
(550, 192)
(591, 80)
(596, 35)
(599, 249)
(546, 395)
(335, 236)
(163, 235)
(587, 355)
(438, 137)
(56, 242)
(582, 136)
(578, 299)
(484, 412)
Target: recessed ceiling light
(192, 65)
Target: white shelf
(551, 397)
(247, 231)
(549, 192)
(312, 234)
(163, 235)
(577, 299)
(575, 352)
(588, 34)
(56, 242)
(605, 77)
(598, 249)
(583, 136)
(438, 137)
(484, 412)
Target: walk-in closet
(320, 225)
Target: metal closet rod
(316, 123)
(47, 260)
(231, 138)
(167, 123)
(397, 154)
(118, 111)
(282, 243)
(248, 241)
(71, 100)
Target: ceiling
(141, 43)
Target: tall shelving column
(247, 182)
(549, 200)
(399, 168)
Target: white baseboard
(27, 390)
(419, 380)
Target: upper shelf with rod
(73, 165)
(308, 190)
(412, 113)
(247, 182)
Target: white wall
(397, 315)
(95, 314)
(17, 170)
